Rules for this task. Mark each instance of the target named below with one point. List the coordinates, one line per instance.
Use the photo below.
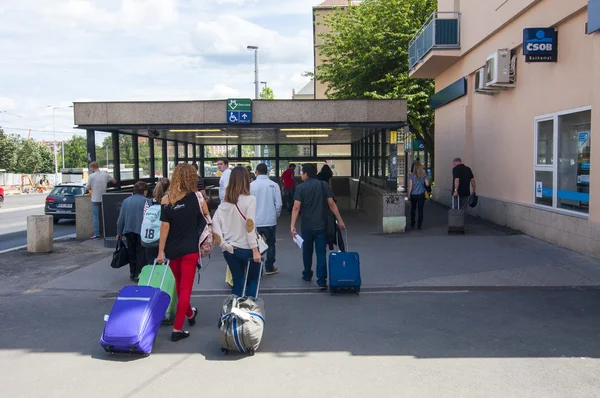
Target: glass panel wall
(333, 150)
(158, 166)
(215, 151)
(290, 151)
(574, 161)
(144, 156)
(104, 151)
(170, 157)
(126, 154)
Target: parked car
(60, 202)
(1, 197)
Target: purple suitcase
(134, 320)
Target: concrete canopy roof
(347, 119)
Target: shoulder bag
(206, 241)
(262, 245)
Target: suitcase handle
(152, 273)
(453, 201)
(259, 277)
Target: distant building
(305, 93)
(320, 12)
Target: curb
(60, 238)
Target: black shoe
(322, 287)
(306, 280)
(131, 277)
(176, 336)
(419, 227)
(272, 271)
(412, 224)
(192, 320)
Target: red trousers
(184, 271)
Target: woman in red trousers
(181, 219)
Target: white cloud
(230, 35)
(55, 52)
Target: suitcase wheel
(225, 351)
(250, 351)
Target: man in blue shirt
(315, 199)
(268, 210)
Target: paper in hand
(298, 239)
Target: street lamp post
(54, 108)
(256, 80)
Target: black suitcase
(456, 218)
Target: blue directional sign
(239, 111)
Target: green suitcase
(149, 278)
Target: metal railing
(441, 30)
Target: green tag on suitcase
(167, 287)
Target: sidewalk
(487, 257)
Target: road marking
(22, 208)
(12, 249)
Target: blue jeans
(318, 240)
(269, 234)
(96, 210)
(238, 261)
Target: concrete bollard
(84, 221)
(40, 234)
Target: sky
(56, 52)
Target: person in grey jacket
(129, 225)
(268, 210)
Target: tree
(267, 94)
(9, 148)
(34, 156)
(366, 54)
(75, 153)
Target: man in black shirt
(462, 181)
(315, 199)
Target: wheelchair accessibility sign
(239, 111)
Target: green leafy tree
(34, 156)
(75, 153)
(366, 52)
(9, 149)
(267, 94)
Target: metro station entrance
(145, 140)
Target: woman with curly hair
(181, 221)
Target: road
(13, 220)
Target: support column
(202, 160)
(376, 153)
(383, 152)
(176, 153)
(116, 157)
(371, 154)
(91, 146)
(186, 155)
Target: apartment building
(517, 98)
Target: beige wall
(320, 28)
(495, 134)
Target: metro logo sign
(540, 45)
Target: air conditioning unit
(480, 86)
(498, 69)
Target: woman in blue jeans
(235, 232)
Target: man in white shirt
(97, 183)
(223, 166)
(268, 209)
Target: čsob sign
(540, 45)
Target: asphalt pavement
(13, 220)
(490, 314)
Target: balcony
(436, 44)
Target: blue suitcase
(344, 271)
(134, 320)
